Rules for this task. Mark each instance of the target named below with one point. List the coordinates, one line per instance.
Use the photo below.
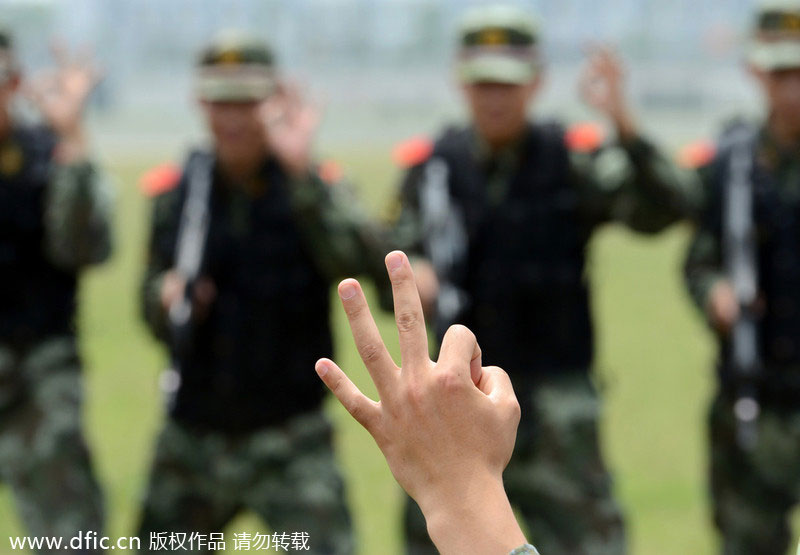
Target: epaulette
(584, 137)
(160, 179)
(697, 154)
(413, 151)
(330, 171)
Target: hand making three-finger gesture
(447, 428)
(60, 93)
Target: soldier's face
(782, 92)
(499, 111)
(237, 129)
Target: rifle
(445, 241)
(740, 248)
(192, 236)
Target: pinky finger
(363, 409)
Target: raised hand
(446, 428)
(61, 92)
(291, 123)
(601, 86)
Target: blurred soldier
(55, 212)
(743, 271)
(253, 233)
(499, 214)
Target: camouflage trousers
(556, 478)
(286, 474)
(43, 456)
(754, 492)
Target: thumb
(496, 384)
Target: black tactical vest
(777, 218)
(251, 361)
(524, 273)
(36, 298)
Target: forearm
(152, 309)
(702, 268)
(78, 215)
(633, 183)
(475, 519)
(659, 183)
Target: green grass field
(654, 369)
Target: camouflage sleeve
(78, 216)
(703, 264)
(344, 241)
(160, 254)
(633, 183)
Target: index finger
(407, 312)
(368, 340)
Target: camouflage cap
(497, 43)
(775, 40)
(235, 67)
(8, 64)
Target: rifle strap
(192, 232)
(740, 240)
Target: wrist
(299, 170)
(71, 147)
(625, 125)
(474, 517)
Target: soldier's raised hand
(601, 86)
(290, 123)
(61, 92)
(446, 428)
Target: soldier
(498, 214)
(743, 272)
(253, 233)
(55, 219)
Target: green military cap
(775, 41)
(235, 67)
(497, 43)
(8, 64)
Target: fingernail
(394, 261)
(321, 368)
(347, 291)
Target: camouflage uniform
(286, 474)
(753, 490)
(54, 221)
(514, 228)
(246, 428)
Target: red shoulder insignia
(697, 154)
(160, 179)
(330, 172)
(412, 151)
(584, 137)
